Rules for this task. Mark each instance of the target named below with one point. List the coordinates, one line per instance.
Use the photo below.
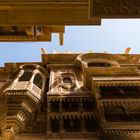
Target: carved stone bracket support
(8, 134)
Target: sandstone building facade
(89, 96)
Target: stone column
(48, 125)
(48, 117)
(103, 120)
(61, 125)
(48, 106)
(83, 126)
(43, 84)
(30, 84)
(61, 128)
(33, 75)
(60, 106)
(81, 105)
(8, 134)
(17, 79)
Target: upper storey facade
(65, 12)
(71, 96)
(46, 12)
(36, 20)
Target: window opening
(101, 64)
(26, 76)
(67, 80)
(38, 80)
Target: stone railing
(26, 85)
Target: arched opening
(67, 80)
(72, 125)
(38, 80)
(26, 76)
(100, 64)
(91, 124)
(54, 106)
(55, 125)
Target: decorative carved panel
(115, 8)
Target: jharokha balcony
(29, 82)
(21, 88)
(23, 95)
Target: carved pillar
(43, 85)
(48, 125)
(48, 117)
(99, 104)
(83, 126)
(103, 120)
(48, 106)
(30, 84)
(8, 134)
(81, 105)
(61, 129)
(17, 79)
(61, 125)
(60, 106)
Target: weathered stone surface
(115, 8)
(45, 12)
(83, 97)
(8, 134)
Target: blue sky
(113, 36)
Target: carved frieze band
(115, 8)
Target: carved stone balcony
(23, 96)
(20, 87)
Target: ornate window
(54, 106)
(67, 80)
(30, 77)
(26, 76)
(55, 125)
(38, 80)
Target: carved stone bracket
(8, 134)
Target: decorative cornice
(117, 83)
(73, 98)
(122, 131)
(73, 115)
(123, 78)
(118, 102)
(22, 93)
